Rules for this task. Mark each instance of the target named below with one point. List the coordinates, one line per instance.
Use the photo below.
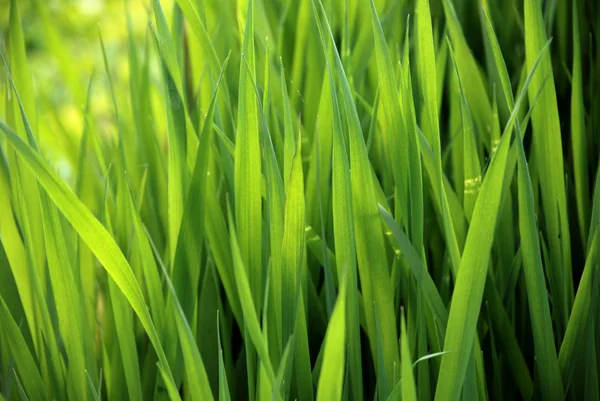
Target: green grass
(300, 199)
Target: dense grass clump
(298, 199)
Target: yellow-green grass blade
(186, 270)
(427, 79)
(427, 76)
(249, 310)
(509, 341)
(550, 163)
(470, 279)
(275, 206)
(182, 139)
(151, 276)
(284, 372)
(167, 45)
(546, 358)
(9, 290)
(20, 74)
(126, 354)
(63, 284)
(416, 173)
(148, 142)
(409, 391)
(393, 130)
(332, 371)
(343, 228)
(481, 239)
(474, 87)
(195, 373)
(292, 246)
(247, 169)
(455, 208)
(541, 321)
(320, 168)
(178, 173)
(471, 166)
(93, 234)
(289, 136)
(277, 223)
(293, 249)
(24, 361)
(126, 339)
(370, 246)
(68, 301)
(16, 253)
(578, 135)
(422, 277)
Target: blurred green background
(77, 24)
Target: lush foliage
(300, 199)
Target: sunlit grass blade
(423, 279)
(186, 270)
(470, 280)
(474, 87)
(332, 371)
(471, 166)
(370, 247)
(393, 127)
(197, 380)
(293, 249)
(414, 150)
(19, 76)
(284, 372)
(289, 137)
(65, 289)
(248, 308)
(550, 163)
(343, 228)
(409, 392)
(546, 359)
(248, 200)
(93, 234)
(426, 75)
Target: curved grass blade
(470, 279)
(93, 234)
